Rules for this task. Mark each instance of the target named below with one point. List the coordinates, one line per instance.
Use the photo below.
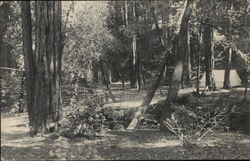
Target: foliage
(148, 42)
(86, 38)
(89, 120)
(10, 91)
(13, 35)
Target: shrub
(88, 120)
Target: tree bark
(28, 60)
(132, 59)
(226, 83)
(187, 65)
(198, 53)
(180, 56)
(134, 81)
(133, 78)
(198, 72)
(198, 64)
(209, 54)
(44, 66)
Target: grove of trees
(146, 43)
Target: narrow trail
(16, 142)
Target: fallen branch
(210, 129)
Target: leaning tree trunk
(44, 66)
(180, 56)
(147, 99)
(155, 84)
(209, 54)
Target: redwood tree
(43, 66)
(180, 57)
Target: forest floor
(150, 144)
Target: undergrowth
(89, 120)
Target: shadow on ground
(153, 144)
(147, 144)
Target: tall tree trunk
(226, 83)
(166, 32)
(126, 12)
(139, 71)
(198, 53)
(209, 54)
(28, 61)
(198, 64)
(180, 57)
(133, 80)
(134, 58)
(198, 72)
(186, 75)
(44, 67)
(187, 65)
